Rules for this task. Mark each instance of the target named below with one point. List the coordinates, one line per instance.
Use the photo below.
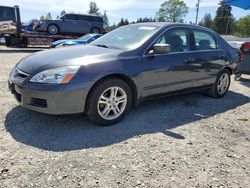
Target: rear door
(84, 24)
(209, 58)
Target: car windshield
(86, 37)
(126, 38)
(28, 23)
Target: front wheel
(221, 85)
(109, 102)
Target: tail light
(245, 47)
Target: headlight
(60, 75)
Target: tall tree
(207, 21)
(172, 11)
(224, 21)
(105, 20)
(243, 26)
(93, 9)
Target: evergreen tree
(145, 19)
(207, 21)
(126, 22)
(121, 23)
(224, 21)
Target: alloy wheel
(112, 103)
(223, 83)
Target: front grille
(39, 102)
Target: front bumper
(69, 99)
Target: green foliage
(172, 11)
(145, 19)
(243, 26)
(207, 21)
(123, 22)
(93, 9)
(224, 19)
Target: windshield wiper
(101, 45)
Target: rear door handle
(189, 60)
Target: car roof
(170, 24)
(83, 15)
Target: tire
(221, 85)
(53, 29)
(95, 30)
(101, 106)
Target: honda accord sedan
(122, 68)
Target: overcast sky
(131, 9)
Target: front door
(173, 71)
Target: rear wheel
(109, 102)
(53, 29)
(95, 30)
(221, 85)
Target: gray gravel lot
(184, 141)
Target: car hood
(68, 56)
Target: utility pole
(197, 12)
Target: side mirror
(160, 49)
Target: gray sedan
(122, 68)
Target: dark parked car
(72, 23)
(118, 70)
(85, 39)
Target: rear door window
(204, 41)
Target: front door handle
(189, 60)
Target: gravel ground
(185, 141)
